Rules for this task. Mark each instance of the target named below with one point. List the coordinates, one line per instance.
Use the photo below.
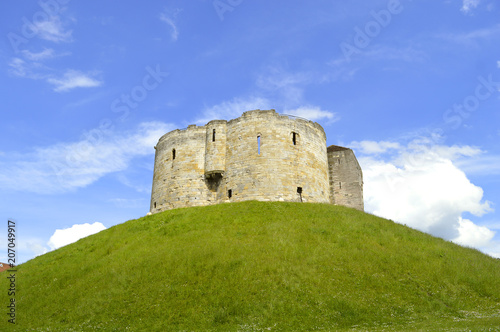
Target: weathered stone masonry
(261, 155)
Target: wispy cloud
(473, 36)
(169, 18)
(73, 79)
(341, 68)
(468, 5)
(68, 166)
(47, 53)
(233, 108)
(53, 30)
(373, 147)
(18, 67)
(314, 113)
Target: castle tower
(346, 178)
(261, 155)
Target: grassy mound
(258, 266)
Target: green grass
(258, 266)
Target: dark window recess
(294, 138)
(154, 204)
(213, 135)
(173, 154)
(258, 144)
(299, 190)
(229, 193)
(340, 185)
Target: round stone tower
(261, 155)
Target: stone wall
(346, 178)
(261, 155)
(276, 170)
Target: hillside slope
(256, 266)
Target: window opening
(294, 138)
(213, 135)
(299, 191)
(340, 185)
(229, 193)
(173, 154)
(154, 204)
(258, 144)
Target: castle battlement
(261, 155)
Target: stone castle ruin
(261, 155)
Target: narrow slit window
(213, 135)
(294, 138)
(340, 185)
(299, 190)
(154, 204)
(173, 154)
(229, 193)
(258, 144)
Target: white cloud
(420, 185)
(287, 85)
(53, 30)
(498, 64)
(67, 166)
(62, 237)
(73, 79)
(472, 36)
(47, 53)
(169, 19)
(27, 248)
(468, 5)
(372, 147)
(473, 235)
(232, 109)
(314, 113)
(18, 67)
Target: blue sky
(88, 87)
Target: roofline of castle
(245, 114)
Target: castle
(262, 155)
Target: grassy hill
(258, 266)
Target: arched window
(294, 138)
(258, 144)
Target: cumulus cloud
(473, 235)
(420, 185)
(73, 79)
(67, 166)
(314, 113)
(62, 237)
